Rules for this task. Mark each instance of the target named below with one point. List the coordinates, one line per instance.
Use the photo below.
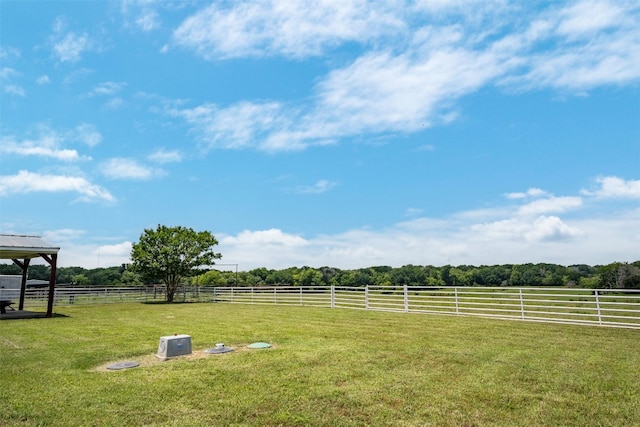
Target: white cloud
(532, 192)
(272, 236)
(582, 46)
(8, 52)
(125, 168)
(8, 72)
(381, 92)
(142, 13)
(148, 21)
(163, 156)
(551, 205)
(321, 186)
(88, 134)
(413, 76)
(542, 228)
(107, 88)
(14, 90)
(49, 143)
(427, 241)
(68, 46)
(614, 187)
(587, 17)
(271, 27)
(43, 80)
(95, 254)
(114, 103)
(28, 182)
(497, 236)
(241, 125)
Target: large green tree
(172, 253)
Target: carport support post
(24, 265)
(53, 261)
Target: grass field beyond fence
(326, 368)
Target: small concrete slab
(123, 365)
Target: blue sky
(344, 133)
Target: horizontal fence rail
(603, 307)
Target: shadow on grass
(166, 302)
(22, 314)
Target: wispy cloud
(107, 88)
(551, 205)
(14, 90)
(532, 192)
(242, 125)
(43, 80)
(321, 186)
(271, 27)
(163, 156)
(141, 14)
(50, 143)
(28, 182)
(6, 75)
(414, 65)
(68, 46)
(128, 169)
(87, 134)
(45, 146)
(9, 52)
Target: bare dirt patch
(152, 359)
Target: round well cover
(259, 345)
(122, 365)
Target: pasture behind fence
(603, 307)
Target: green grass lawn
(327, 368)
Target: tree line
(617, 275)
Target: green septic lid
(259, 345)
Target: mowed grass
(328, 367)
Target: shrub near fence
(604, 307)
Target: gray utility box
(174, 346)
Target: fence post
(333, 296)
(106, 295)
(275, 295)
(366, 297)
(598, 306)
(521, 305)
(406, 298)
(455, 293)
(301, 295)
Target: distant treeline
(617, 275)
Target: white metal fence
(604, 307)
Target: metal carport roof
(19, 246)
(21, 249)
